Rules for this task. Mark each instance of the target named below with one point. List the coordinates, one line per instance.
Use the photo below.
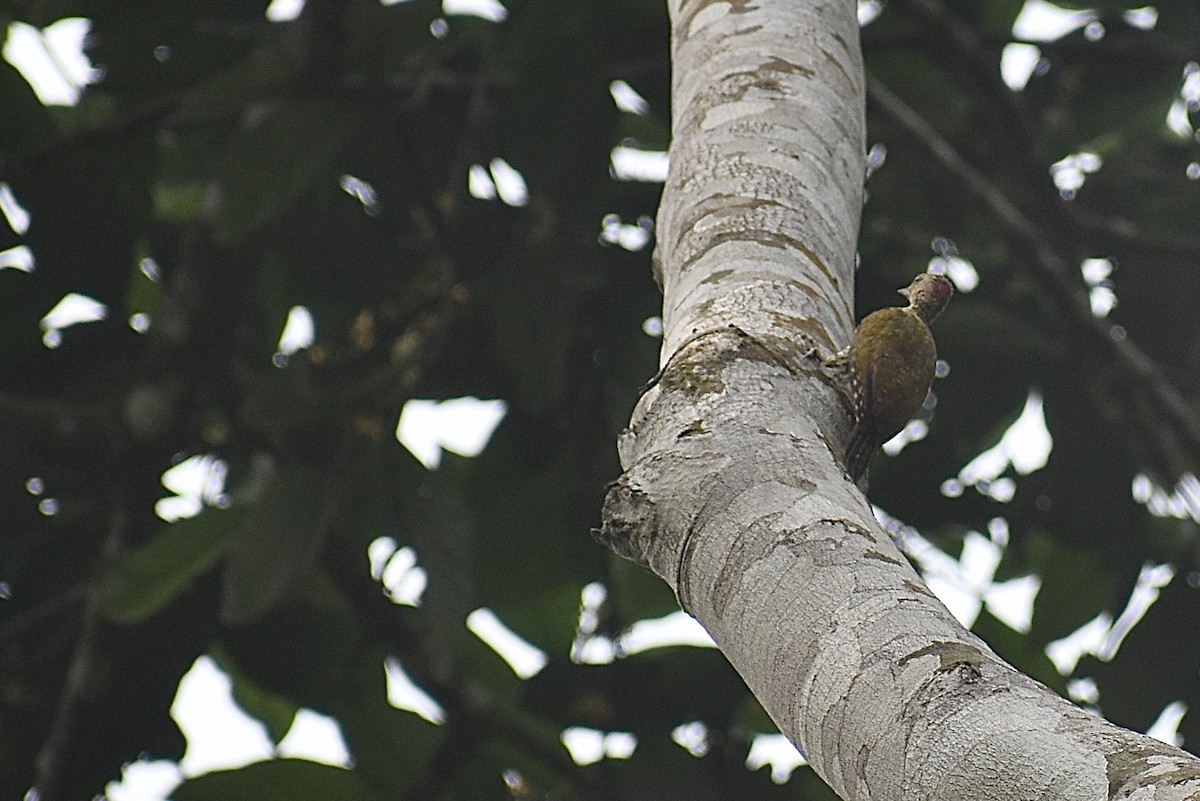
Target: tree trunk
(734, 492)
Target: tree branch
(145, 115)
(983, 61)
(26, 621)
(53, 764)
(732, 491)
(1179, 447)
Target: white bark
(732, 491)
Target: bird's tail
(859, 450)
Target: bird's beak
(903, 292)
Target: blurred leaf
(277, 780)
(438, 524)
(1076, 585)
(288, 152)
(152, 576)
(264, 73)
(1161, 645)
(145, 292)
(640, 693)
(163, 48)
(293, 649)
(660, 768)
(277, 543)
(637, 593)
(391, 747)
(25, 122)
(274, 711)
(180, 202)
(522, 499)
(502, 760)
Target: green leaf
(178, 202)
(277, 544)
(391, 747)
(145, 292)
(25, 121)
(279, 780)
(274, 711)
(279, 159)
(293, 651)
(153, 575)
(267, 71)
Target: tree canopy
(461, 204)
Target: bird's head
(928, 294)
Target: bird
(890, 364)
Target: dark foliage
(214, 146)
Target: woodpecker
(891, 361)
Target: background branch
(1178, 442)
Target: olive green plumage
(891, 362)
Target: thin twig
(36, 616)
(982, 59)
(145, 115)
(53, 763)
